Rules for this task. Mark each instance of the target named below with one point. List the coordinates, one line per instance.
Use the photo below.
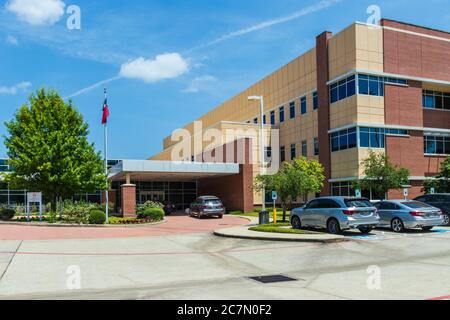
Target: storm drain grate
(273, 279)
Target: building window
(255, 121)
(436, 100)
(268, 154)
(292, 110)
(375, 137)
(4, 167)
(367, 85)
(343, 140)
(282, 154)
(264, 119)
(316, 146)
(293, 151)
(343, 89)
(303, 105)
(315, 101)
(342, 189)
(272, 118)
(281, 114)
(436, 145)
(304, 148)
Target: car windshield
(358, 203)
(213, 201)
(416, 204)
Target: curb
(274, 238)
(61, 225)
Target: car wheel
(296, 223)
(221, 216)
(397, 225)
(446, 220)
(427, 228)
(365, 230)
(333, 227)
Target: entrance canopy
(150, 170)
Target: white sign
(406, 192)
(34, 197)
(358, 193)
(432, 191)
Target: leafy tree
(49, 151)
(293, 180)
(381, 175)
(441, 183)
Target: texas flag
(105, 112)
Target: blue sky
(172, 60)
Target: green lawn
(256, 211)
(280, 228)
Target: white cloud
(163, 66)
(37, 12)
(200, 83)
(20, 87)
(11, 40)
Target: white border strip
(387, 126)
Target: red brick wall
(128, 200)
(414, 55)
(436, 119)
(403, 105)
(414, 192)
(324, 106)
(235, 190)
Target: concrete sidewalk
(243, 232)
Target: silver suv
(207, 206)
(336, 214)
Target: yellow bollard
(274, 215)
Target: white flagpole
(106, 169)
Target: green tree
(49, 151)
(381, 175)
(293, 180)
(441, 183)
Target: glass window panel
(303, 105)
(429, 102)
(342, 92)
(272, 117)
(281, 114)
(373, 88)
(364, 138)
(438, 102)
(447, 102)
(343, 143)
(363, 85)
(352, 140)
(351, 88)
(292, 110)
(440, 146)
(334, 95)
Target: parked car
(336, 214)
(399, 215)
(207, 206)
(439, 200)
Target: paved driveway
(200, 266)
(176, 224)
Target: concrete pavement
(202, 266)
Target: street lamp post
(261, 143)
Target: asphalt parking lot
(199, 265)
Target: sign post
(274, 198)
(406, 191)
(34, 197)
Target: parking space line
(439, 298)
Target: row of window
(436, 100)
(4, 167)
(304, 150)
(367, 85)
(368, 138)
(436, 145)
(292, 110)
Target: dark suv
(207, 206)
(438, 200)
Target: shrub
(148, 205)
(77, 212)
(153, 214)
(97, 217)
(115, 221)
(6, 214)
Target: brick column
(324, 107)
(128, 200)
